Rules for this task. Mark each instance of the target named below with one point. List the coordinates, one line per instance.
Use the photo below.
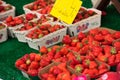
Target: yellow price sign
(66, 10)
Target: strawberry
(29, 16)
(104, 32)
(23, 67)
(93, 32)
(28, 62)
(109, 38)
(34, 65)
(9, 19)
(111, 59)
(93, 65)
(25, 57)
(45, 76)
(117, 35)
(81, 35)
(91, 12)
(84, 41)
(86, 63)
(32, 72)
(101, 71)
(66, 39)
(99, 37)
(64, 50)
(44, 62)
(19, 62)
(74, 42)
(97, 49)
(79, 68)
(56, 71)
(43, 50)
(117, 57)
(79, 45)
(86, 71)
(57, 55)
(102, 66)
(32, 56)
(37, 57)
(117, 45)
(51, 77)
(102, 58)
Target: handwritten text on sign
(66, 10)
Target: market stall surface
(11, 50)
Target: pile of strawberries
(4, 8)
(102, 44)
(13, 21)
(43, 30)
(83, 14)
(88, 53)
(38, 4)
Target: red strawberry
(117, 45)
(102, 66)
(109, 38)
(23, 67)
(90, 12)
(45, 76)
(79, 68)
(81, 35)
(32, 72)
(37, 57)
(117, 57)
(25, 57)
(79, 45)
(117, 35)
(99, 37)
(29, 16)
(66, 39)
(101, 71)
(19, 62)
(111, 59)
(43, 50)
(9, 19)
(34, 65)
(93, 65)
(104, 32)
(86, 63)
(102, 58)
(32, 56)
(93, 32)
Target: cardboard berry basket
(47, 40)
(21, 34)
(95, 75)
(3, 33)
(4, 15)
(112, 32)
(11, 29)
(85, 24)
